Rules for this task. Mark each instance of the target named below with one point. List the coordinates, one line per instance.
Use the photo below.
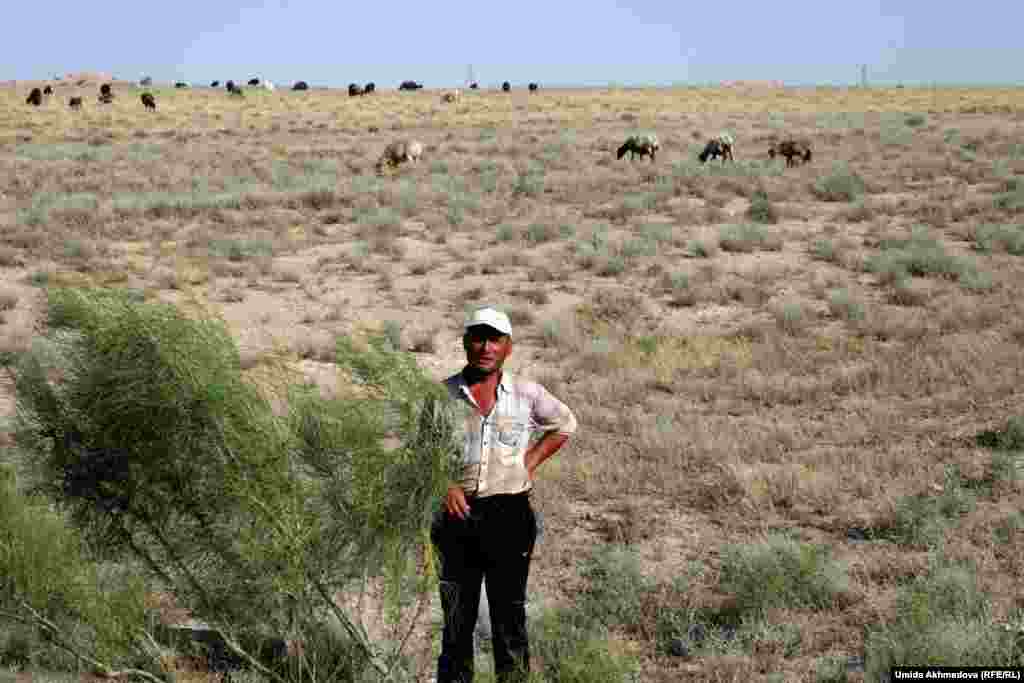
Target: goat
(106, 97)
(400, 152)
(301, 85)
(474, 85)
(718, 148)
(410, 85)
(48, 90)
(639, 144)
(181, 84)
(533, 87)
(506, 86)
(370, 88)
(354, 90)
(75, 103)
(254, 82)
(215, 84)
(148, 101)
(105, 89)
(35, 98)
(794, 151)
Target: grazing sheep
(148, 101)
(215, 84)
(400, 152)
(254, 82)
(795, 151)
(48, 90)
(506, 86)
(301, 85)
(75, 103)
(718, 148)
(451, 96)
(35, 98)
(370, 88)
(533, 87)
(639, 144)
(181, 84)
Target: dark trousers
(493, 545)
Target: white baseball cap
(490, 317)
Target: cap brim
(493, 327)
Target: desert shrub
(845, 307)
(761, 210)
(920, 254)
(240, 250)
(841, 185)
(922, 520)
(942, 618)
(744, 237)
(1009, 438)
(1005, 238)
(168, 457)
(615, 587)
(782, 572)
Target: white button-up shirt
(495, 445)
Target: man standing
(487, 529)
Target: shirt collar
(504, 384)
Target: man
(487, 529)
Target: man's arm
(543, 449)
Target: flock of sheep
(719, 147)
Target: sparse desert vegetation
(799, 389)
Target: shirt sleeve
(548, 414)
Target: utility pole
(863, 75)
(469, 76)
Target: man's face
(486, 348)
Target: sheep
(254, 82)
(215, 84)
(35, 98)
(506, 86)
(181, 84)
(234, 89)
(105, 89)
(106, 97)
(230, 85)
(400, 152)
(48, 90)
(639, 144)
(533, 87)
(370, 88)
(474, 85)
(354, 90)
(301, 85)
(75, 103)
(410, 85)
(794, 151)
(148, 101)
(719, 147)
(451, 96)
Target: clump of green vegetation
(841, 185)
(615, 587)
(761, 210)
(746, 238)
(240, 250)
(920, 255)
(782, 572)
(943, 619)
(922, 520)
(1005, 238)
(843, 306)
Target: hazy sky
(596, 42)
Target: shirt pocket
(510, 436)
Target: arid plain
(827, 358)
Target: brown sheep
(794, 151)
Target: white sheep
(400, 152)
